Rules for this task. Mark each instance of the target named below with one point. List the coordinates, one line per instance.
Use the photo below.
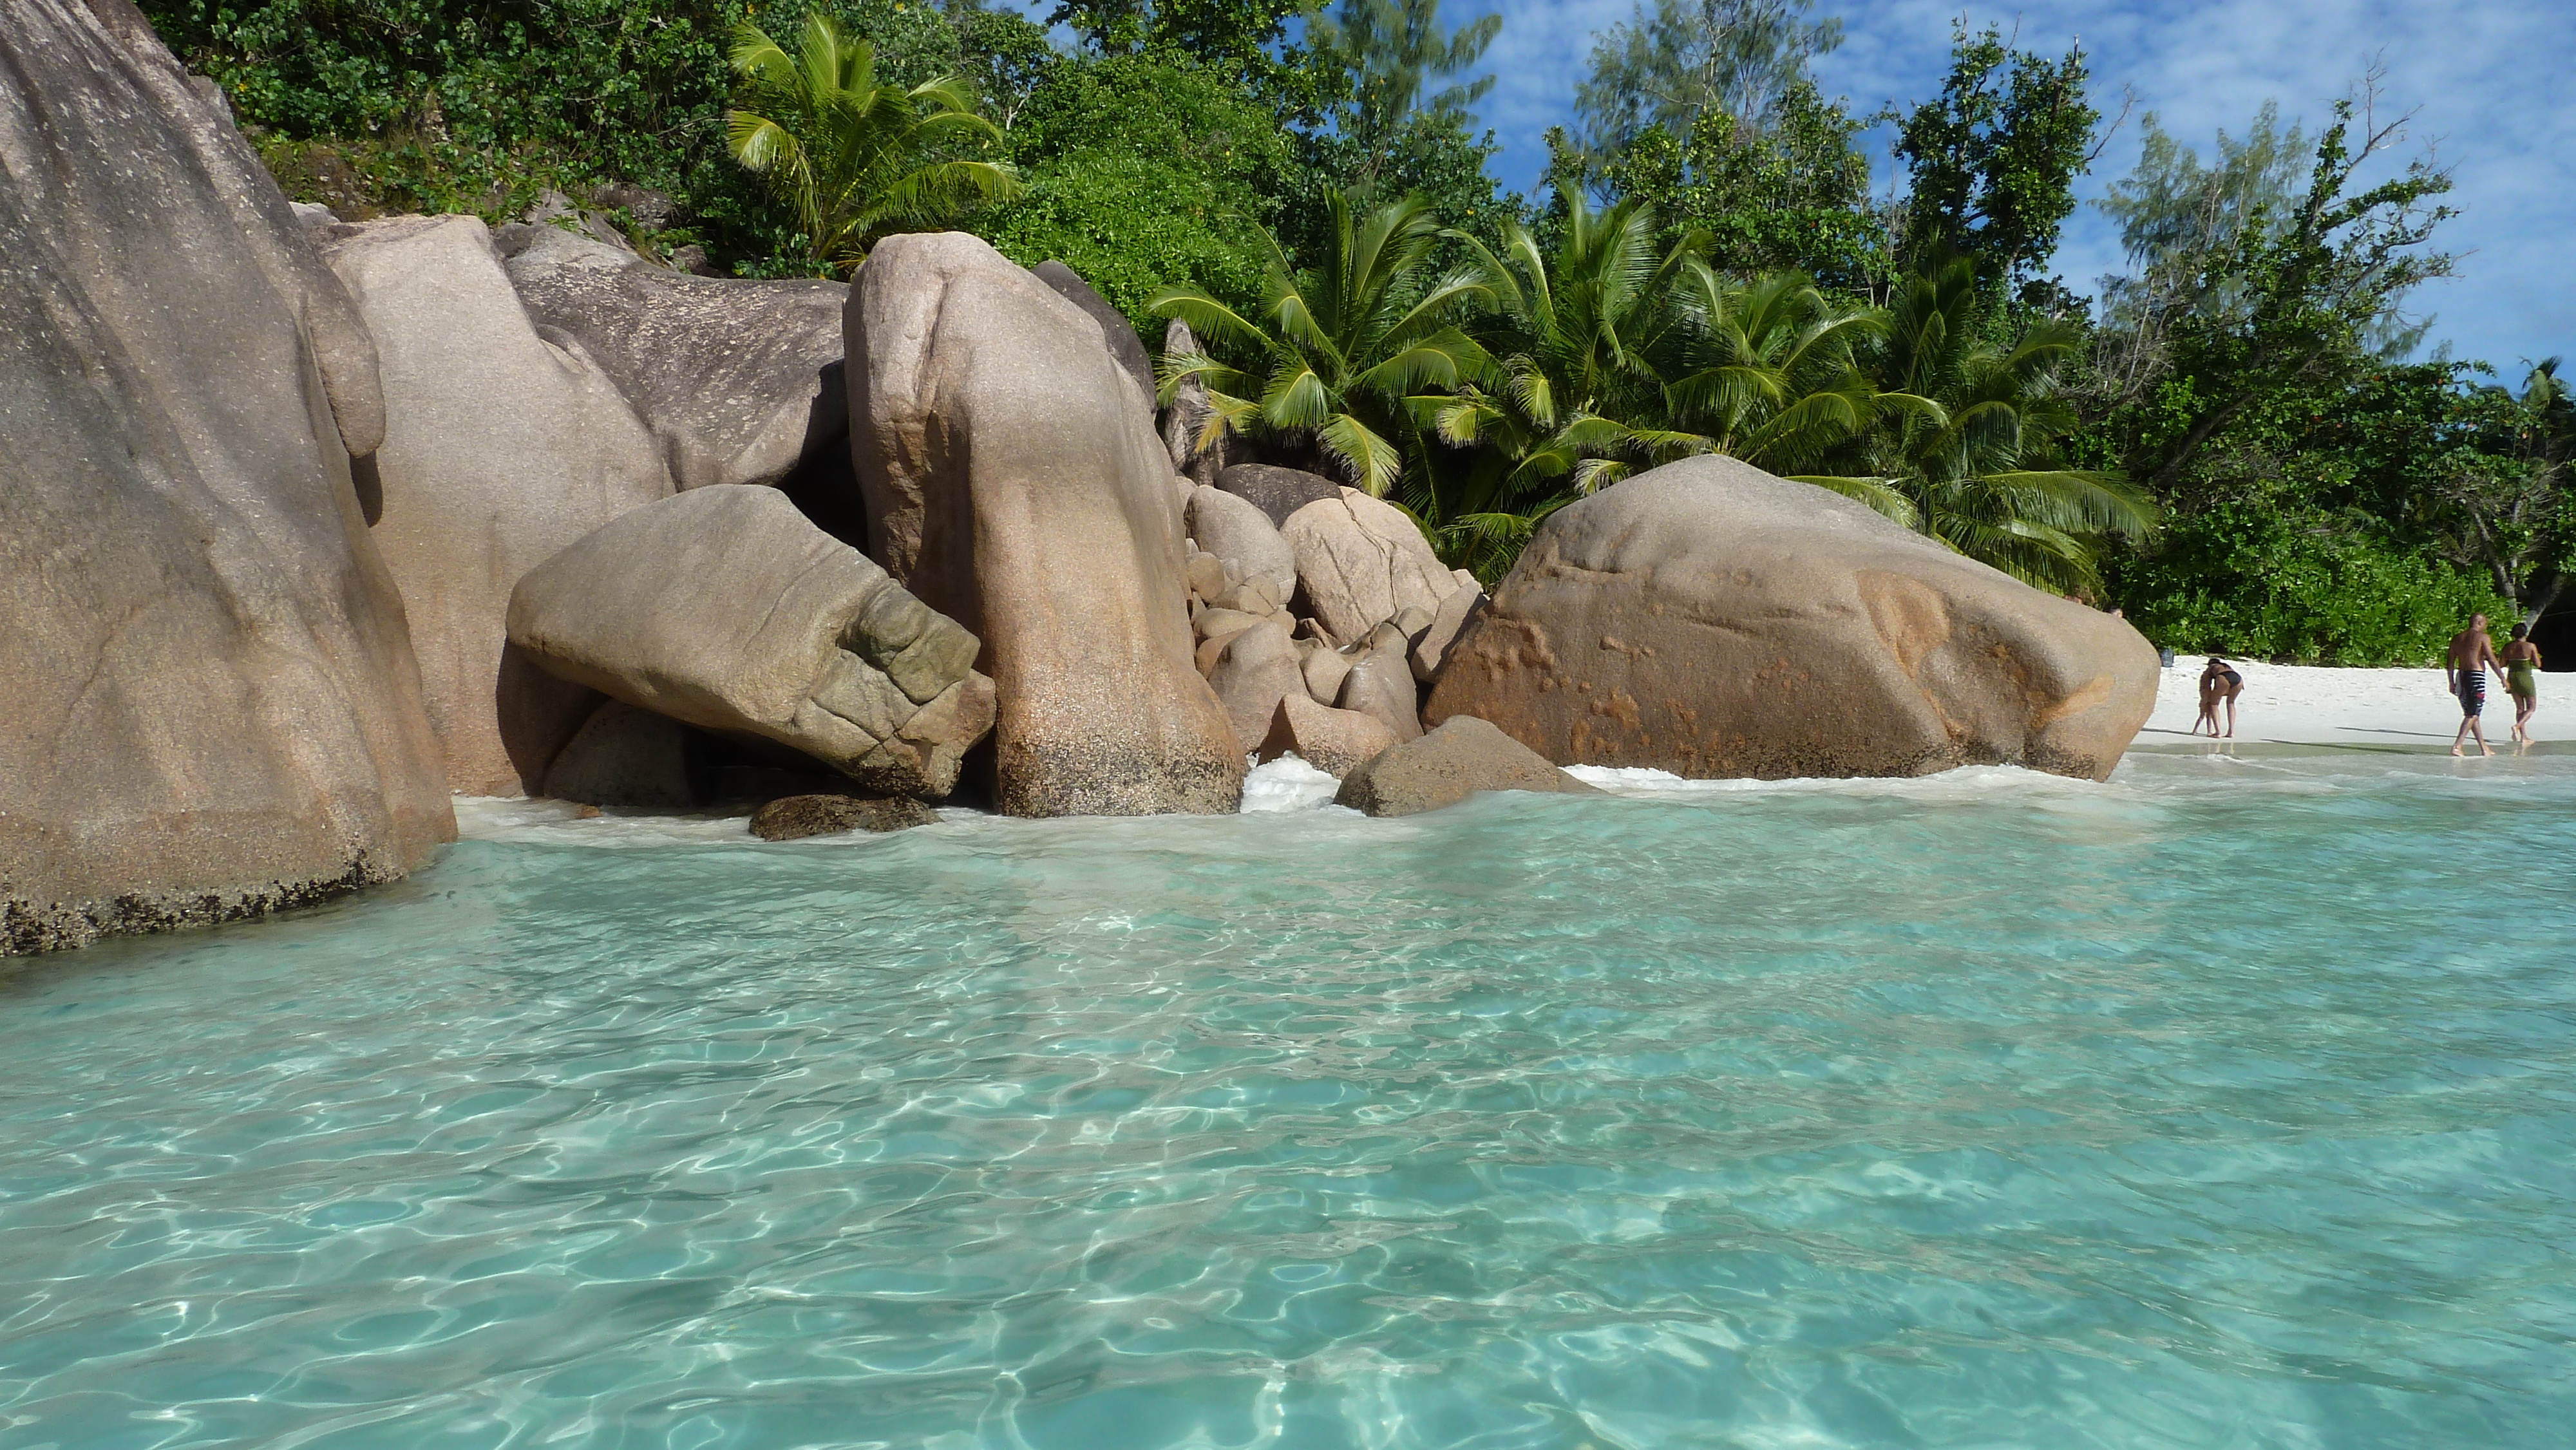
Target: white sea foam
(1286, 784)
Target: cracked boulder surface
(1712, 620)
(724, 608)
(1014, 483)
(738, 380)
(1362, 561)
(211, 707)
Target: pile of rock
(1321, 613)
(309, 522)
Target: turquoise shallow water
(2231, 1104)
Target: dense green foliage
(858, 157)
(1338, 349)
(1993, 161)
(2233, 445)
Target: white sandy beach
(2310, 705)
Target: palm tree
(858, 159)
(1967, 438)
(1576, 398)
(1616, 357)
(1341, 346)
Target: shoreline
(2312, 705)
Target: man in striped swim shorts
(2466, 668)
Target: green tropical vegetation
(855, 156)
(2238, 439)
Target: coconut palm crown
(1614, 354)
(859, 159)
(1969, 435)
(1338, 348)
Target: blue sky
(2493, 85)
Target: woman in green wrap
(2522, 678)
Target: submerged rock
(724, 608)
(795, 817)
(1465, 755)
(211, 707)
(1014, 484)
(738, 380)
(1711, 620)
(501, 447)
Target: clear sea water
(2231, 1104)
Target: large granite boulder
(501, 447)
(738, 380)
(1277, 492)
(1242, 536)
(1115, 330)
(1361, 561)
(1014, 484)
(1380, 683)
(1255, 670)
(1464, 756)
(1711, 620)
(211, 708)
(724, 608)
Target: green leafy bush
(2260, 581)
(1138, 174)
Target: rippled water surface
(2230, 1104)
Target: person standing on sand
(2218, 682)
(2466, 668)
(2522, 680)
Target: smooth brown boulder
(1381, 684)
(501, 447)
(1325, 669)
(1464, 756)
(722, 607)
(1361, 562)
(1711, 620)
(738, 380)
(211, 707)
(623, 756)
(1014, 484)
(1253, 673)
(1244, 537)
(795, 817)
(1277, 492)
(1335, 742)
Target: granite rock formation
(738, 380)
(1361, 562)
(211, 706)
(723, 608)
(1711, 620)
(501, 448)
(1014, 484)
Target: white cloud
(2487, 83)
